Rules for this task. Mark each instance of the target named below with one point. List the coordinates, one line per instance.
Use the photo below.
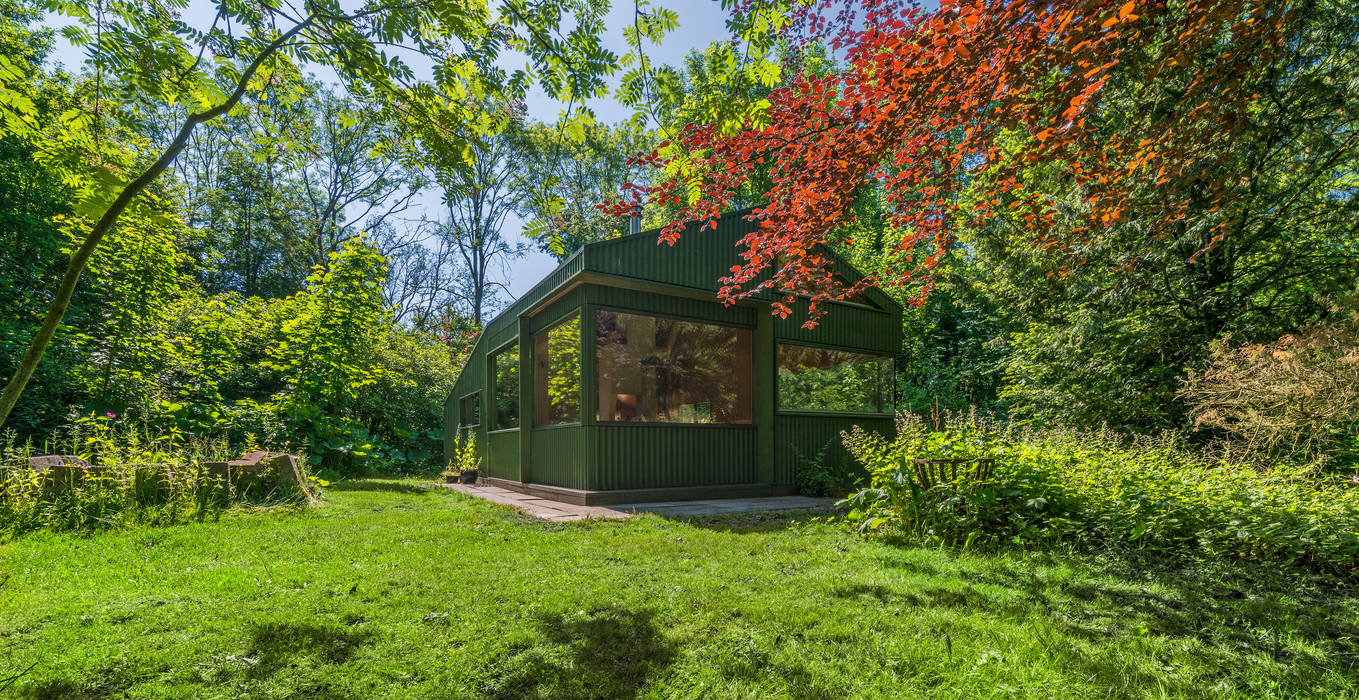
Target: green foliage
(563, 176)
(326, 349)
(465, 457)
(141, 477)
(814, 476)
(1074, 486)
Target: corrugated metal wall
(557, 457)
(697, 260)
(849, 326)
(807, 434)
(502, 455)
(661, 456)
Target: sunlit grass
(393, 590)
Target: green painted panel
(794, 433)
(844, 326)
(698, 259)
(501, 456)
(554, 312)
(647, 302)
(660, 456)
(557, 457)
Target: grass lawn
(392, 590)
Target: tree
(928, 102)
(349, 180)
(563, 179)
(478, 200)
(158, 59)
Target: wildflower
(111, 415)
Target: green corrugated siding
(697, 260)
(847, 326)
(653, 456)
(808, 434)
(646, 302)
(557, 457)
(502, 455)
(554, 312)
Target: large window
(813, 379)
(662, 370)
(506, 367)
(556, 352)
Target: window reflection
(813, 379)
(470, 409)
(506, 364)
(653, 369)
(557, 353)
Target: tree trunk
(81, 256)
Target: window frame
(462, 409)
(594, 361)
(891, 389)
(540, 378)
(494, 388)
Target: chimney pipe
(635, 222)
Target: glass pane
(812, 379)
(506, 365)
(557, 353)
(471, 409)
(663, 370)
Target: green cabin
(621, 378)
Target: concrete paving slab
(557, 511)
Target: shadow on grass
(1251, 626)
(276, 645)
(607, 653)
(380, 485)
(749, 523)
(66, 688)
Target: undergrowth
(1070, 486)
(137, 477)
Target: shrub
(141, 479)
(465, 457)
(1297, 395)
(1096, 486)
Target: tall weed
(142, 478)
(1072, 485)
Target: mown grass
(392, 590)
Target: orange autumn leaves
(1132, 101)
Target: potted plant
(464, 468)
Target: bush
(1095, 486)
(140, 479)
(1298, 395)
(819, 475)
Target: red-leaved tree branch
(1132, 101)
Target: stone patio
(556, 511)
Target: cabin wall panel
(661, 456)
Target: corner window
(814, 379)
(660, 370)
(469, 411)
(506, 366)
(556, 353)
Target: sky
(700, 22)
